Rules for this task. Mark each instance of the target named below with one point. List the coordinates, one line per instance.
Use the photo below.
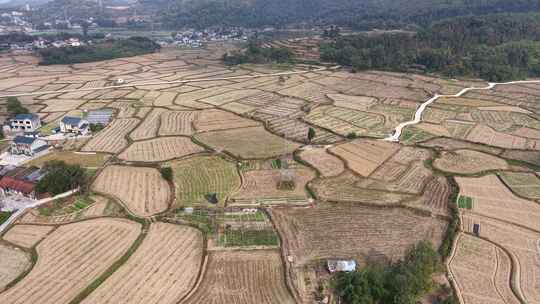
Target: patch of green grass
(4, 216)
(246, 217)
(414, 135)
(465, 202)
(199, 218)
(234, 238)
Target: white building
(25, 123)
(341, 265)
(27, 145)
(75, 125)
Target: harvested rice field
(71, 258)
(113, 138)
(482, 271)
(526, 185)
(142, 190)
(13, 263)
(492, 198)
(162, 270)
(27, 236)
(364, 156)
(468, 162)
(160, 149)
(243, 277)
(327, 164)
(248, 143)
(264, 184)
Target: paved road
(168, 82)
(418, 115)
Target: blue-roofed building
(99, 117)
(74, 125)
(27, 146)
(25, 123)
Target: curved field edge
(116, 265)
(513, 282)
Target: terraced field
(163, 269)
(71, 258)
(243, 277)
(141, 190)
(196, 178)
(160, 149)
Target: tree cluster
(256, 54)
(496, 48)
(14, 107)
(102, 51)
(404, 282)
(360, 15)
(61, 177)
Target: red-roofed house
(11, 185)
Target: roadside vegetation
(102, 51)
(4, 216)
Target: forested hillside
(355, 13)
(495, 47)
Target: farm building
(341, 265)
(11, 185)
(27, 146)
(75, 125)
(99, 117)
(24, 123)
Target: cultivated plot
(243, 277)
(162, 270)
(71, 258)
(160, 149)
(142, 190)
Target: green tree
(167, 173)
(15, 107)
(61, 177)
(311, 134)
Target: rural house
(25, 123)
(74, 125)
(27, 146)
(10, 185)
(341, 265)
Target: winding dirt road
(418, 115)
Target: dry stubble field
(243, 277)
(142, 190)
(162, 270)
(71, 258)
